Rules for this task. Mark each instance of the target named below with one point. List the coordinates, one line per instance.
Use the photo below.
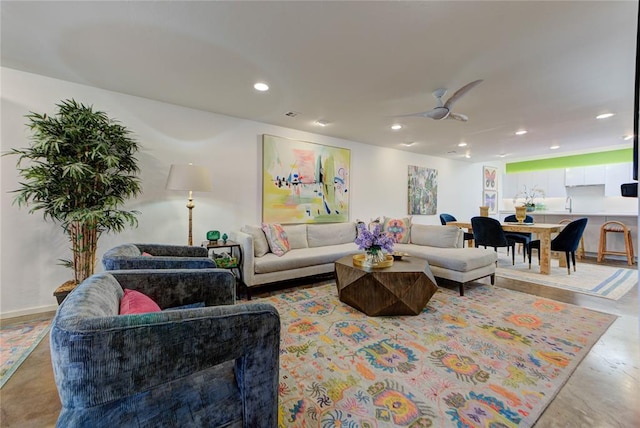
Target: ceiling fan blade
(436, 113)
(421, 114)
(458, 116)
(460, 92)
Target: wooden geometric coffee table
(401, 289)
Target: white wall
(30, 248)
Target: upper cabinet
(551, 181)
(585, 175)
(617, 174)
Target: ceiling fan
(443, 111)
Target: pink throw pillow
(277, 238)
(134, 302)
(145, 254)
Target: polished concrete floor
(604, 391)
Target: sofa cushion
(297, 235)
(435, 236)
(260, 244)
(457, 259)
(321, 235)
(304, 257)
(277, 238)
(398, 228)
(135, 302)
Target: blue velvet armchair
(130, 256)
(211, 366)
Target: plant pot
(63, 291)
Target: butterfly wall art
(490, 179)
(490, 188)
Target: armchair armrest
(157, 262)
(108, 358)
(178, 287)
(173, 250)
(246, 243)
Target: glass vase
(373, 256)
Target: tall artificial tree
(79, 170)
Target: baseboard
(30, 311)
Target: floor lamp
(193, 178)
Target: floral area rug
(17, 341)
(593, 279)
(494, 357)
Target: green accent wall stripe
(600, 158)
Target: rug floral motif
(494, 357)
(16, 343)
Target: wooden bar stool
(615, 227)
(580, 253)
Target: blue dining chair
(521, 238)
(567, 241)
(444, 218)
(488, 232)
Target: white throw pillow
(297, 235)
(260, 244)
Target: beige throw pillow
(260, 244)
(297, 235)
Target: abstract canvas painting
(423, 190)
(304, 182)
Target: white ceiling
(548, 66)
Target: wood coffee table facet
(401, 289)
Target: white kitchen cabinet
(555, 183)
(585, 175)
(594, 174)
(574, 176)
(551, 181)
(615, 175)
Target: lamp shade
(189, 177)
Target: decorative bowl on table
(359, 260)
(398, 255)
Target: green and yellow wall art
(423, 190)
(304, 182)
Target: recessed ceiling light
(502, 155)
(408, 144)
(604, 116)
(260, 86)
(554, 147)
(396, 126)
(467, 155)
(627, 137)
(322, 122)
(521, 132)
(462, 144)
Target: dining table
(542, 230)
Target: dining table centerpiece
(529, 196)
(377, 245)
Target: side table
(234, 250)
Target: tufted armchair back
(158, 256)
(210, 366)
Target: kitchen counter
(578, 213)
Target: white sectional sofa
(315, 248)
